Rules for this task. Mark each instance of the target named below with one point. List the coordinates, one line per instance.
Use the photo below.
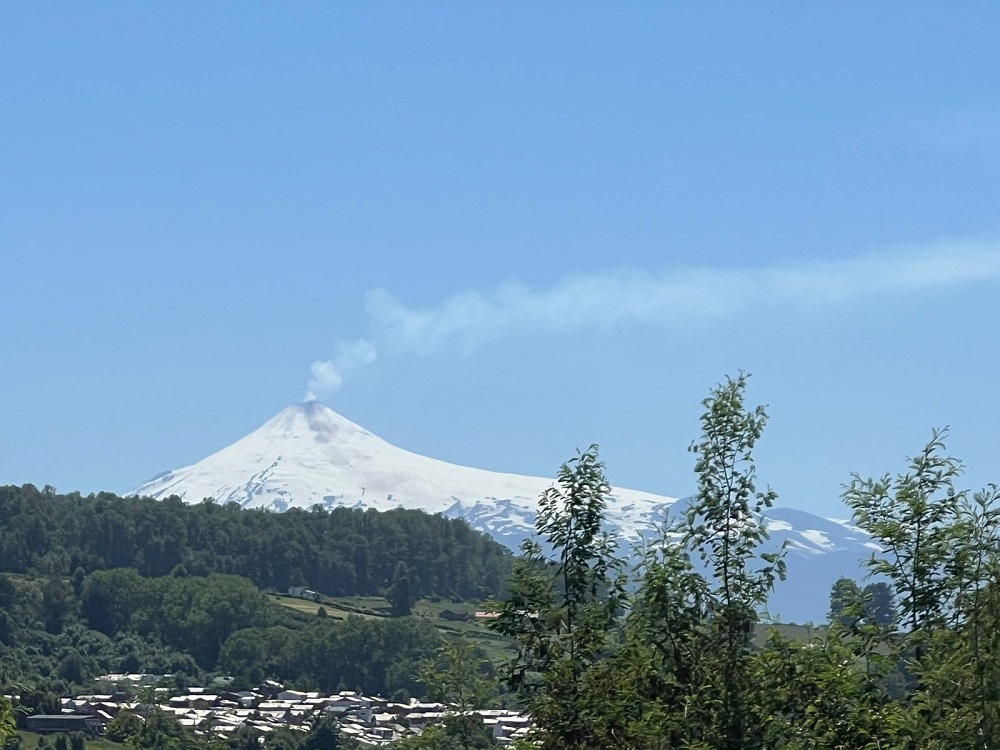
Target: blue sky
(505, 230)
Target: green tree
(324, 735)
(939, 555)
(955, 701)
(845, 602)
(813, 695)
(8, 592)
(879, 604)
(79, 575)
(56, 604)
(460, 676)
(162, 731)
(979, 601)
(71, 667)
(124, 727)
(912, 517)
(38, 701)
(399, 594)
(724, 526)
(564, 612)
(8, 727)
(663, 680)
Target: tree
(663, 677)
(124, 727)
(811, 694)
(71, 667)
(563, 612)
(38, 701)
(56, 604)
(162, 731)
(8, 727)
(845, 602)
(459, 676)
(324, 735)
(912, 518)
(399, 595)
(939, 556)
(879, 604)
(724, 526)
(79, 575)
(959, 674)
(8, 592)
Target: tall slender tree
(400, 594)
(563, 608)
(725, 527)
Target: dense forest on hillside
(341, 552)
(57, 635)
(99, 584)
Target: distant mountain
(308, 454)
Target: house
(301, 592)
(51, 723)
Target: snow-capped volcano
(308, 454)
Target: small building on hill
(52, 723)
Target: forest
(604, 653)
(57, 637)
(340, 552)
(104, 584)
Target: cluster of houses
(370, 720)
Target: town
(369, 720)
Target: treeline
(341, 552)
(668, 659)
(58, 635)
(371, 656)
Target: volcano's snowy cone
(309, 455)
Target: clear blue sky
(509, 229)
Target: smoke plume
(670, 298)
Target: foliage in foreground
(911, 662)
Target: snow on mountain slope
(308, 455)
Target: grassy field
(339, 608)
(336, 609)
